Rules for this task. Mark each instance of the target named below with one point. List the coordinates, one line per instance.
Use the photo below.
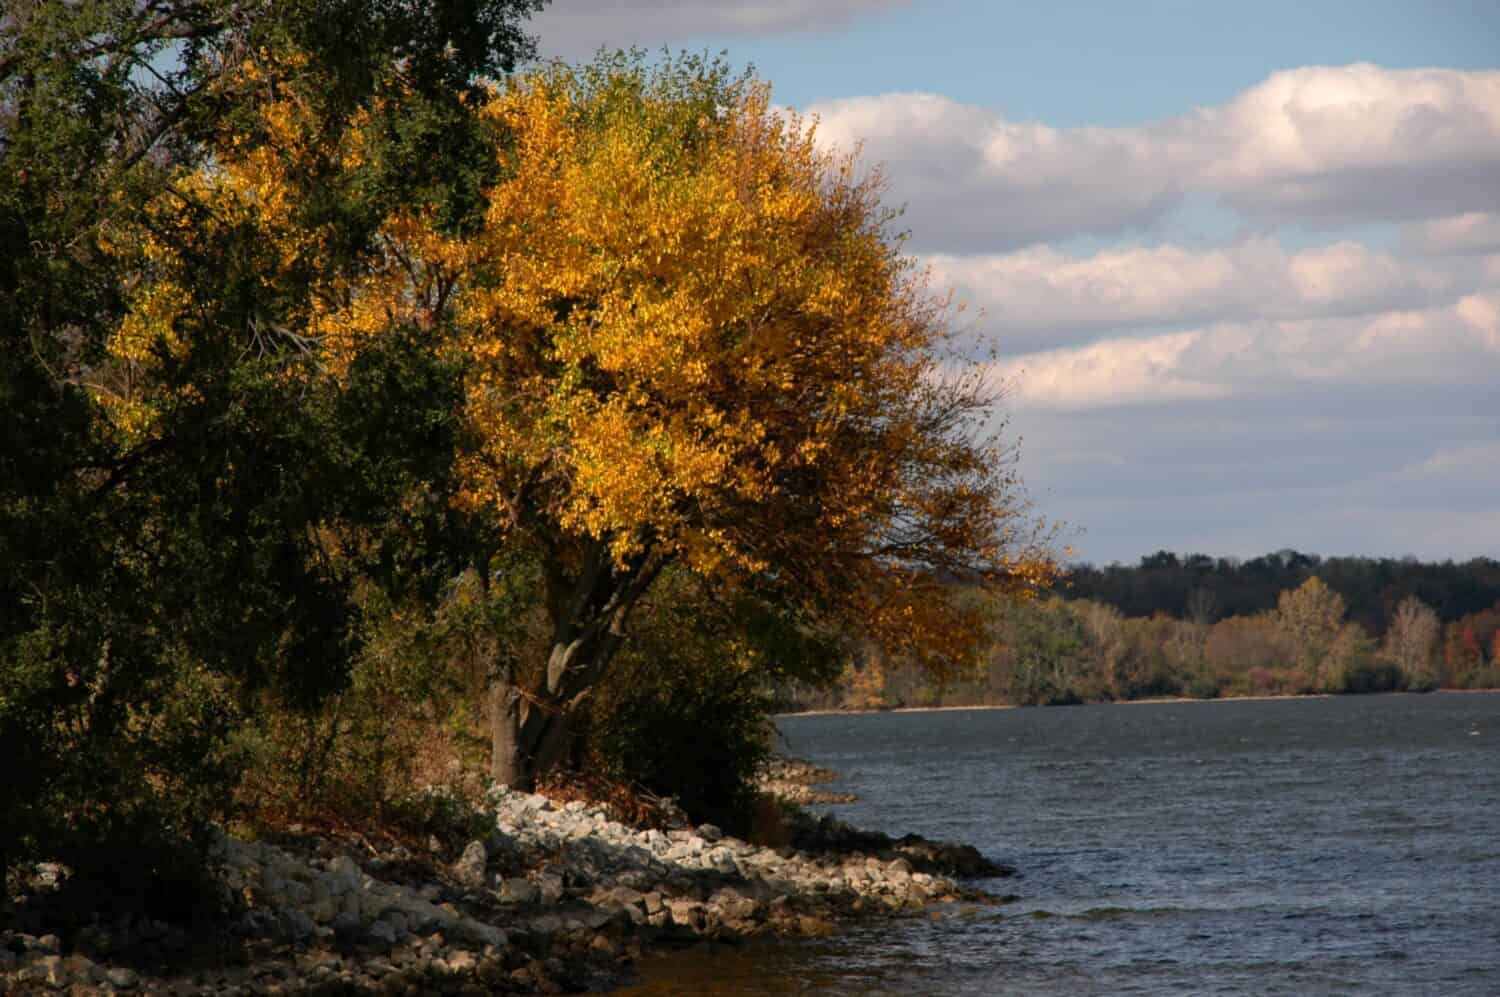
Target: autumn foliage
(689, 338)
(190, 508)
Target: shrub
(1159, 682)
(699, 734)
(685, 711)
(408, 720)
(1480, 678)
(1203, 687)
(1262, 681)
(1374, 676)
(1423, 681)
(116, 784)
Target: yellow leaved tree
(690, 340)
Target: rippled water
(1315, 846)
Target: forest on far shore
(1286, 623)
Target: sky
(1239, 263)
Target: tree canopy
(172, 466)
(688, 336)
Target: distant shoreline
(1155, 700)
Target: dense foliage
(1191, 585)
(687, 341)
(1065, 650)
(685, 711)
(357, 397)
(187, 503)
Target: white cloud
(1041, 295)
(1454, 464)
(1236, 398)
(1472, 232)
(1330, 145)
(1457, 344)
(972, 179)
(576, 29)
(1357, 142)
(1116, 372)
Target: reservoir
(1345, 845)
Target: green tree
(690, 343)
(1046, 650)
(1411, 641)
(684, 710)
(1310, 617)
(1324, 647)
(157, 570)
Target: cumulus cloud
(1233, 398)
(1471, 232)
(1456, 344)
(1157, 370)
(573, 30)
(973, 180)
(1328, 145)
(1357, 142)
(1040, 296)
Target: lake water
(1313, 846)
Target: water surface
(1318, 846)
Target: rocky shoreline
(554, 898)
(797, 781)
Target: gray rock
(294, 891)
(385, 933)
(343, 874)
(547, 924)
(687, 912)
(470, 867)
(49, 969)
(296, 924)
(483, 934)
(601, 916)
(550, 884)
(82, 969)
(710, 832)
(624, 896)
(352, 903)
(398, 920)
(519, 891)
(122, 978)
(635, 913)
(346, 927)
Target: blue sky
(1071, 63)
(1241, 262)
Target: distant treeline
(1204, 589)
(1283, 624)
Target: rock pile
(797, 781)
(555, 898)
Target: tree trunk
(506, 760)
(533, 729)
